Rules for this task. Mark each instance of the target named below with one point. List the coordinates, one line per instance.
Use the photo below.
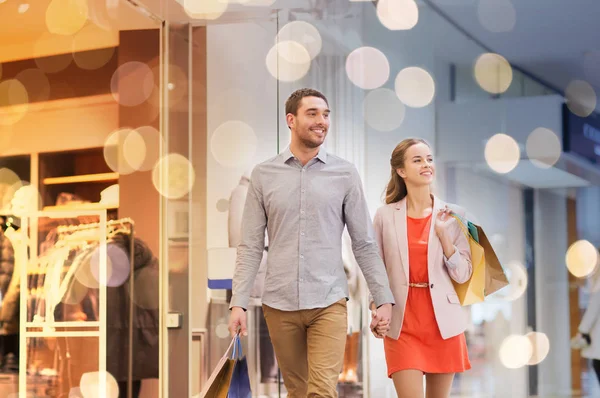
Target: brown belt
(423, 284)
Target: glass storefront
(129, 131)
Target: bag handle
(237, 347)
(461, 223)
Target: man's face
(311, 123)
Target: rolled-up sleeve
(459, 264)
(250, 249)
(364, 244)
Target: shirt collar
(287, 154)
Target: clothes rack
(129, 224)
(73, 328)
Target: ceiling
(24, 32)
(554, 40)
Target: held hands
(380, 320)
(443, 220)
(237, 320)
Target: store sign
(581, 135)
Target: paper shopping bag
(473, 290)
(217, 385)
(495, 278)
(230, 379)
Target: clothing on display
(9, 301)
(64, 286)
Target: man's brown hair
(293, 102)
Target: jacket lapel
(402, 234)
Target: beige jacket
(391, 235)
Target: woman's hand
(443, 221)
(381, 328)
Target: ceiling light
(23, 8)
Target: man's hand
(380, 320)
(237, 319)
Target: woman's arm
(457, 253)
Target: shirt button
(301, 280)
(303, 191)
(302, 233)
(431, 286)
(301, 256)
(301, 211)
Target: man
(304, 197)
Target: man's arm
(250, 249)
(364, 245)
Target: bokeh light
(148, 141)
(515, 351)
(288, 61)
(398, 14)
(223, 205)
(13, 94)
(502, 153)
(543, 147)
(383, 110)
(66, 17)
(518, 280)
(497, 16)
(56, 62)
(303, 33)
(36, 83)
(121, 157)
(233, 144)
(540, 345)
(131, 85)
(117, 265)
(205, 9)
(91, 60)
(415, 87)
(90, 385)
(9, 184)
(368, 68)
(581, 258)
(493, 73)
(173, 176)
(27, 199)
(581, 98)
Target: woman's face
(419, 168)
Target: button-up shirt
(305, 209)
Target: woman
(423, 248)
(589, 328)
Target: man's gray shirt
(304, 210)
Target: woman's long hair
(396, 188)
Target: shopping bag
(217, 385)
(495, 278)
(230, 378)
(473, 290)
(240, 379)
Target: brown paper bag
(473, 290)
(217, 385)
(495, 278)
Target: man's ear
(291, 120)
